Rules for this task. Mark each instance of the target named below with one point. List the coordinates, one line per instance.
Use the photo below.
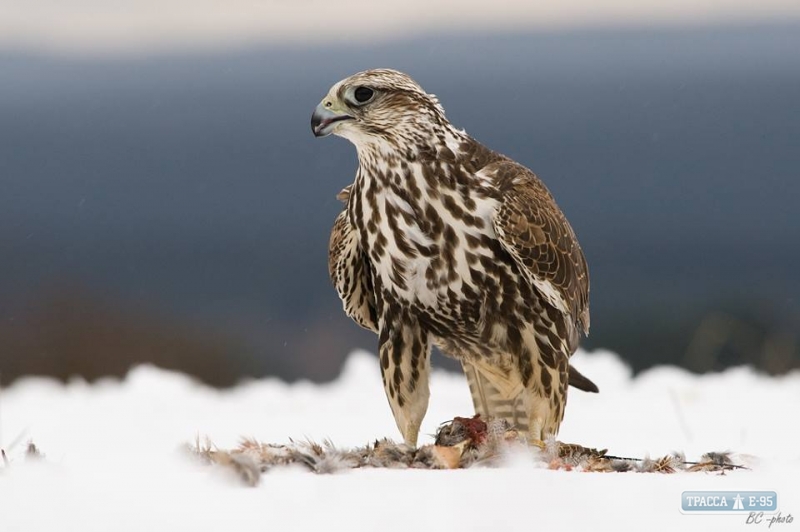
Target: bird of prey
(445, 242)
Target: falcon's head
(379, 105)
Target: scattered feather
(461, 443)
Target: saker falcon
(445, 242)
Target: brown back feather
(537, 234)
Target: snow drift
(113, 453)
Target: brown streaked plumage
(445, 242)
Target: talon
(538, 443)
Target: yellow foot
(537, 443)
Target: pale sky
(134, 26)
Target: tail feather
(581, 382)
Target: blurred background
(162, 198)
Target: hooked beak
(325, 118)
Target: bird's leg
(405, 366)
(544, 373)
(539, 421)
(545, 414)
(497, 392)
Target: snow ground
(113, 459)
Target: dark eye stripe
(363, 94)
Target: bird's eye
(363, 94)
